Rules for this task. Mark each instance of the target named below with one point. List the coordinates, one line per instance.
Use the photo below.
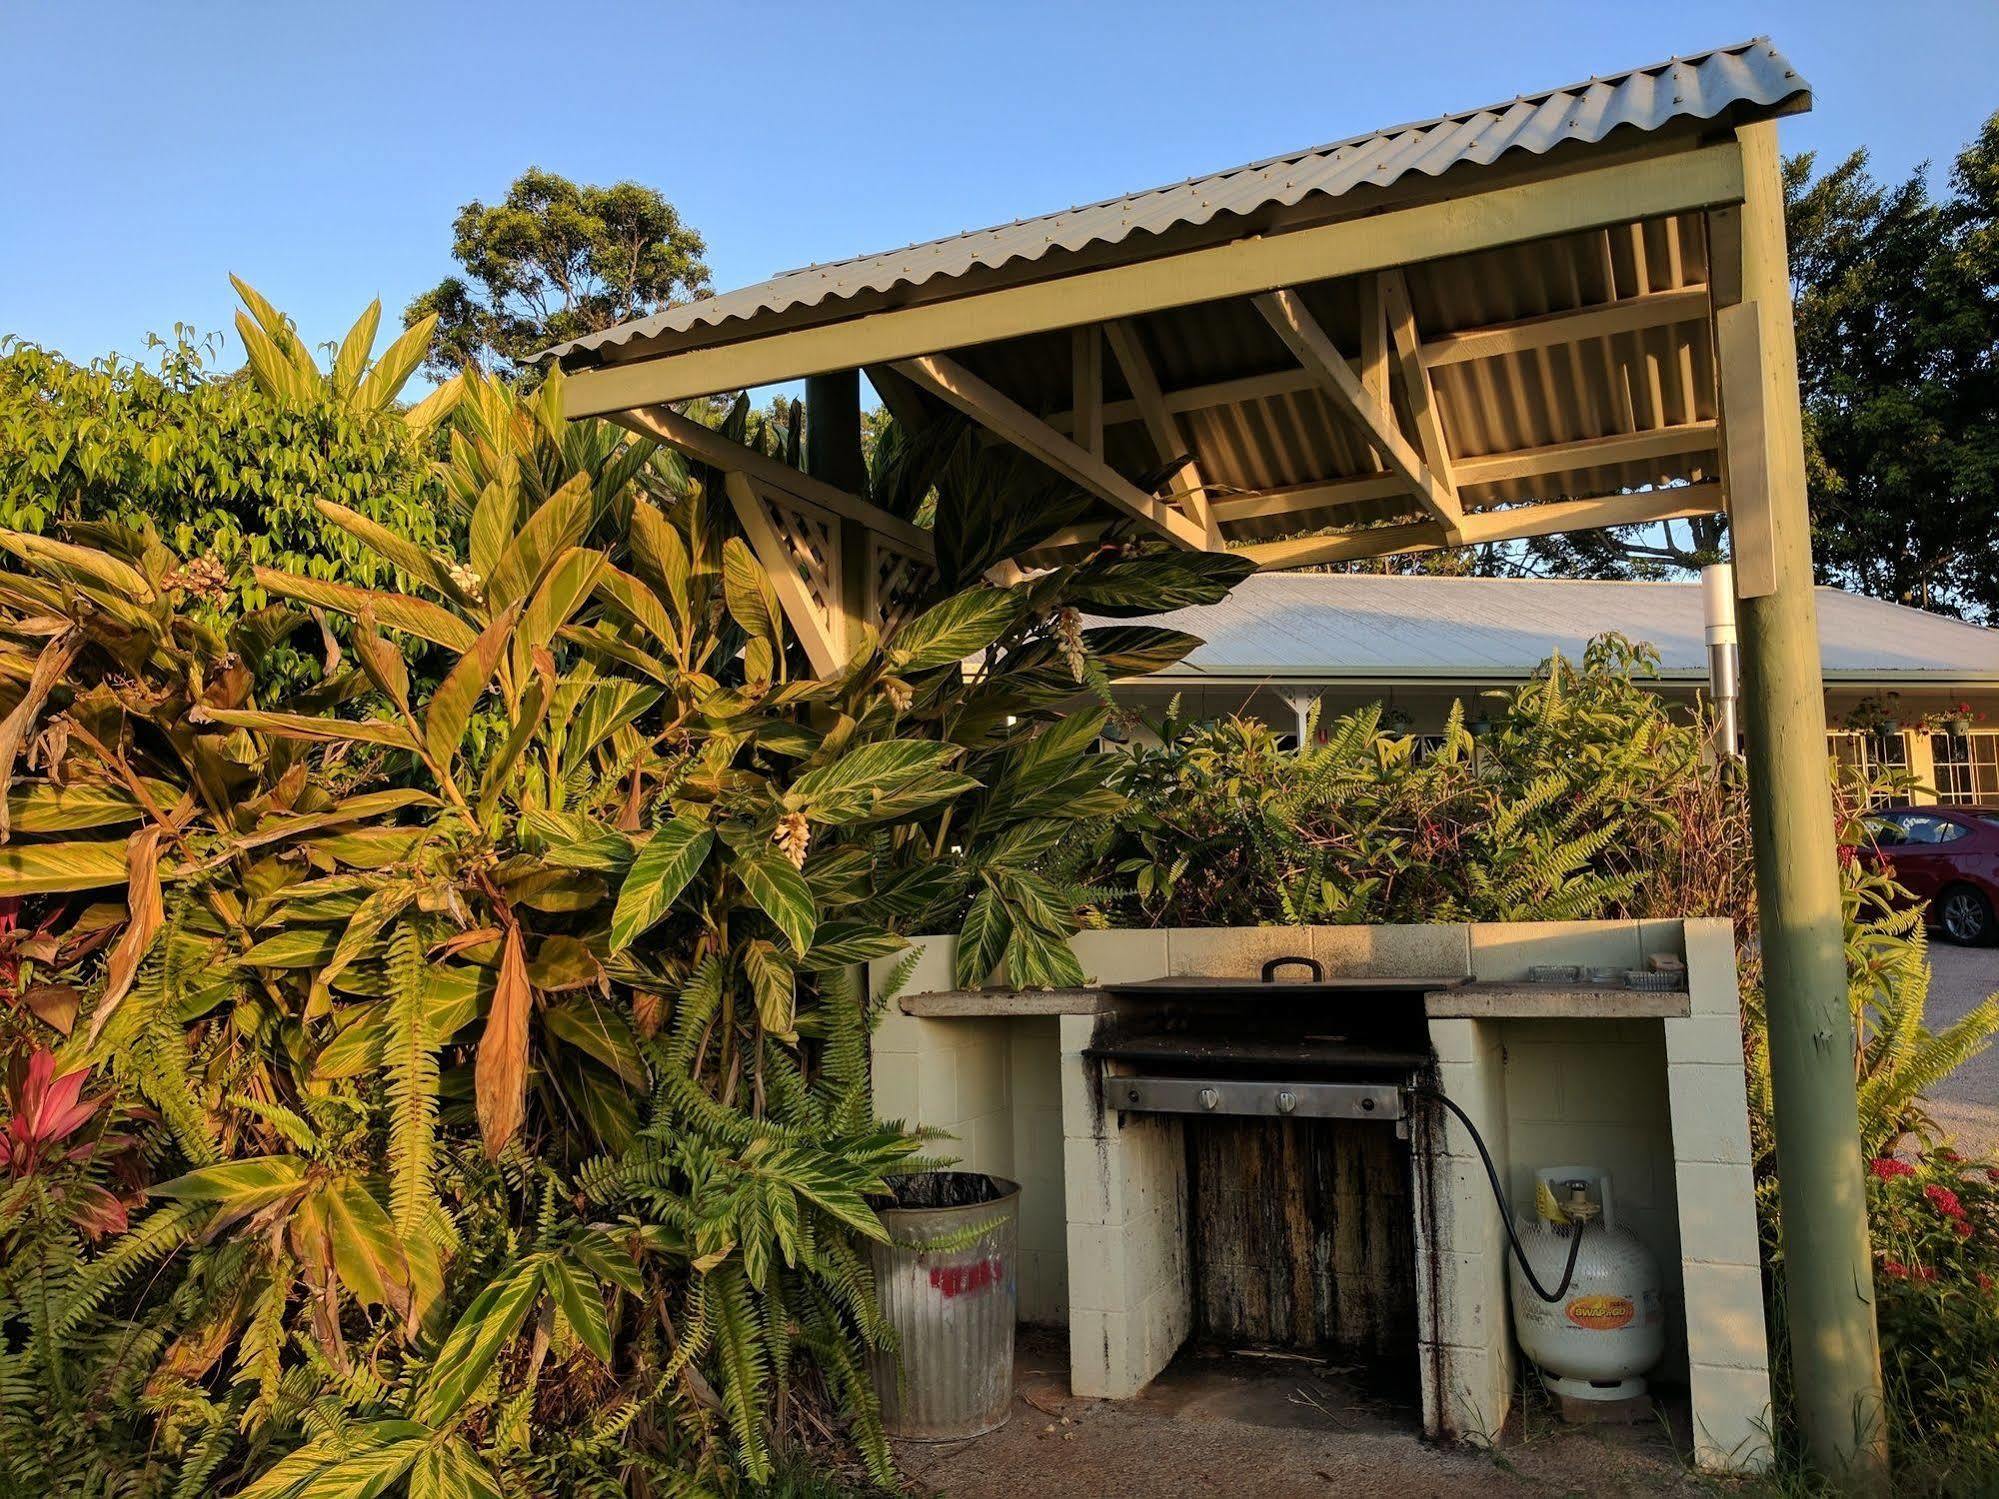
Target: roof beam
(706, 445)
(1164, 428)
(1645, 507)
(1457, 223)
(1400, 315)
(1289, 318)
(1293, 499)
(1587, 453)
(951, 382)
(1655, 309)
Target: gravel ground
(1261, 1429)
(1968, 1103)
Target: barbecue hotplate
(1270, 986)
(1193, 1043)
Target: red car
(1948, 856)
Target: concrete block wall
(1131, 1300)
(1035, 1093)
(1468, 1363)
(989, 1085)
(1727, 1348)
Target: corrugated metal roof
(1753, 75)
(1324, 626)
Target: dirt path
(1261, 1430)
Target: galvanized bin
(952, 1309)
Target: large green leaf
(44, 808)
(847, 790)
(297, 947)
(781, 894)
(774, 982)
(959, 627)
(597, 1031)
(450, 707)
(560, 523)
(753, 605)
(485, 1329)
(311, 728)
(367, 1254)
(982, 939)
(657, 876)
(243, 1184)
(390, 546)
(50, 868)
(582, 1307)
(452, 1471)
(355, 1462)
(394, 611)
(1157, 581)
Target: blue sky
(321, 151)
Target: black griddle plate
(1195, 986)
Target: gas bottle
(1609, 1327)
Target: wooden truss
(1414, 475)
(840, 565)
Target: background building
(1902, 685)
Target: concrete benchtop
(1472, 1001)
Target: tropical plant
(228, 469)
(1571, 804)
(503, 1034)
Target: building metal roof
(1746, 81)
(1323, 627)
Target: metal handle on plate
(1270, 968)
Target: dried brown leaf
(501, 1075)
(142, 882)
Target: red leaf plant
(46, 1116)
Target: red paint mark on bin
(959, 1280)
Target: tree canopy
(554, 260)
(1897, 307)
(1898, 324)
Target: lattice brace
(897, 581)
(809, 537)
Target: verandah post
(1828, 1263)
(833, 453)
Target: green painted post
(833, 430)
(833, 453)
(1828, 1260)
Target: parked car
(1948, 856)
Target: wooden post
(1828, 1264)
(833, 454)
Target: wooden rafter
(1295, 499)
(708, 446)
(1167, 438)
(1550, 330)
(1289, 318)
(1643, 508)
(951, 382)
(1588, 453)
(1655, 309)
(1400, 315)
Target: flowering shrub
(1936, 1283)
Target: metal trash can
(953, 1310)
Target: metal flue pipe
(1724, 661)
